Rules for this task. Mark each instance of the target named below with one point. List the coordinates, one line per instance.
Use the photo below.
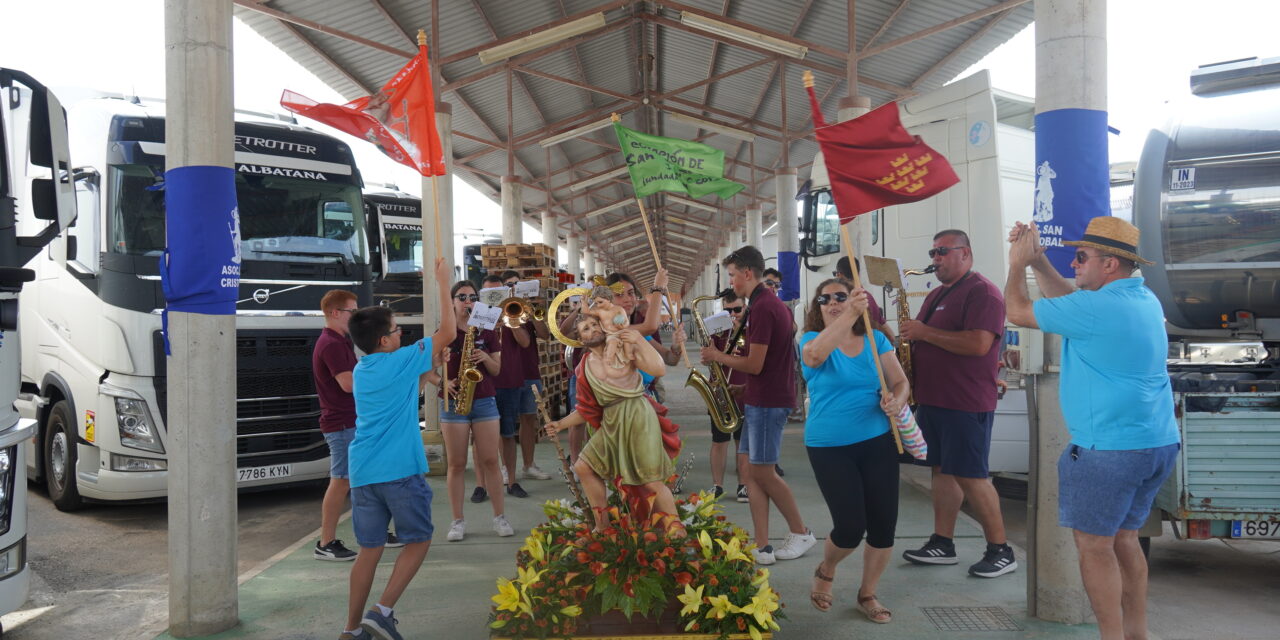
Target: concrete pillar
(588, 262)
(1071, 74)
(431, 311)
(550, 233)
(512, 208)
(199, 131)
(575, 255)
(788, 233)
(754, 228)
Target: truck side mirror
(39, 139)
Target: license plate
(1255, 529)
(264, 473)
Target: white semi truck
(35, 181)
(93, 370)
(394, 220)
(986, 135)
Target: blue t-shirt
(844, 396)
(388, 445)
(1115, 391)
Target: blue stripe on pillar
(1072, 179)
(789, 266)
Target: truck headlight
(7, 457)
(13, 559)
(137, 430)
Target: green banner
(668, 164)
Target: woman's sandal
(877, 614)
(821, 601)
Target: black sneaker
(479, 495)
(335, 551)
(778, 468)
(392, 541)
(718, 491)
(742, 493)
(997, 561)
(938, 550)
(516, 490)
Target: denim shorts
(339, 442)
(408, 500)
(482, 410)
(508, 401)
(762, 441)
(1102, 492)
(528, 403)
(959, 441)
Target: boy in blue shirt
(386, 460)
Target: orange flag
(400, 119)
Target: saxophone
(904, 314)
(468, 375)
(725, 414)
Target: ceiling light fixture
(620, 225)
(551, 141)
(609, 207)
(693, 203)
(732, 132)
(744, 35)
(689, 223)
(540, 39)
(582, 185)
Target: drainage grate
(970, 619)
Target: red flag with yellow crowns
(873, 161)
(400, 119)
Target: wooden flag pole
(435, 182)
(653, 247)
(866, 322)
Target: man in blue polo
(1116, 400)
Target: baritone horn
(725, 414)
(518, 311)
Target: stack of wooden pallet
(534, 262)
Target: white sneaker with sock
(795, 545)
(502, 527)
(457, 530)
(532, 471)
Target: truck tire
(60, 458)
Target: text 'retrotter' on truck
(1207, 200)
(394, 220)
(35, 181)
(95, 366)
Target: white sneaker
(795, 545)
(532, 471)
(503, 527)
(505, 479)
(765, 555)
(457, 531)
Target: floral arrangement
(566, 573)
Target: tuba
(518, 311)
(725, 414)
(904, 314)
(468, 375)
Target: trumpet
(518, 311)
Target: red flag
(872, 162)
(400, 119)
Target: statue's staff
(565, 471)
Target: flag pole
(866, 322)
(435, 179)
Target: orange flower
(598, 567)
(650, 536)
(595, 547)
(584, 557)
(683, 577)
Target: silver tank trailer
(1207, 200)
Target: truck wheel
(60, 458)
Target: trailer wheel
(1145, 543)
(60, 458)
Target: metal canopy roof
(657, 65)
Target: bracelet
(658, 290)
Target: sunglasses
(395, 331)
(827, 298)
(511, 284)
(467, 297)
(1082, 257)
(772, 284)
(733, 309)
(351, 310)
(942, 251)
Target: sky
(119, 47)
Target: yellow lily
(692, 600)
(508, 598)
(762, 578)
(733, 550)
(762, 609)
(533, 544)
(720, 607)
(572, 611)
(704, 541)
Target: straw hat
(1112, 235)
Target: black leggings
(859, 481)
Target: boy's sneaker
(765, 555)
(457, 531)
(795, 545)
(335, 551)
(516, 490)
(360, 634)
(718, 491)
(505, 479)
(997, 561)
(778, 468)
(503, 527)
(532, 471)
(393, 542)
(938, 550)
(380, 626)
(479, 495)
(742, 493)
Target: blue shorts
(959, 441)
(528, 403)
(1102, 492)
(762, 441)
(339, 442)
(508, 401)
(373, 506)
(482, 410)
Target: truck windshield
(281, 219)
(820, 225)
(404, 248)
